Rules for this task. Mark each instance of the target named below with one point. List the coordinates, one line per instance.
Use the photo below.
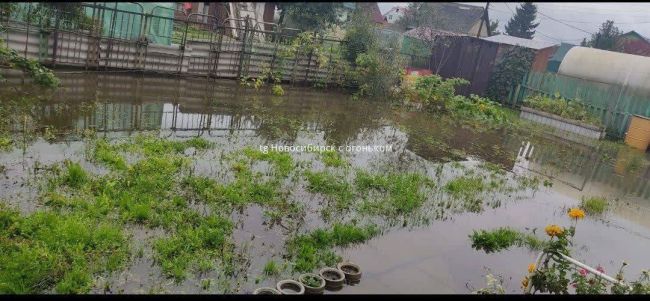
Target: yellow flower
(576, 213)
(524, 283)
(531, 268)
(553, 230)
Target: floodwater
(414, 256)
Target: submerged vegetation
(313, 250)
(553, 273)
(594, 205)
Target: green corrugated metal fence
(612, 103)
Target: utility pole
(483, 20)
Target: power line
(564, 23)
(537, 31)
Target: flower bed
(561, 123)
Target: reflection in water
(117, 105)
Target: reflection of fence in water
(581, 168)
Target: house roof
(515, 41)
(396, 9)
(373, 9)
(632, 32)
(457, 17)
(425, 32)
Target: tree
(509, 72)
(309, 16)
(522, 24)
(605, 38)
(493, 29)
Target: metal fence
(613, 104)
(129, 37)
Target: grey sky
(580, 17)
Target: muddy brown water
(429, 257)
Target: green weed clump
(247, 188)
(76, 176)
(192, 246)
(151, 145)
(313, 250)
(5, 143)
(107, 154)
(271, 268)
(328, 184)
(282, 161)
(465, 186)
(594, 205)
(404, 191)
(332, 158)
(503, 238)
(47, 250)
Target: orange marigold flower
(531, 268)
(553, 230)
(576, 213)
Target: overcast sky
(573, 20)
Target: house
(394, 14)
(218, 9)
(543, 50)
(369, 7)
(633, 43)
(461, 18)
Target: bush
(509, 72)
(375, 71)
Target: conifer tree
(522, 24)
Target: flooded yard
(170, 181)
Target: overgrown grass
(503, 238)
(271, 268)
(594, 205)
(282, 161)
(332, 158)
(107, 154)
(465, 186)
(194, 245)
(47, 250)
(404, 192)
(313, 250)
(328, 184)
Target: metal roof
(427, 32)
(515, 41)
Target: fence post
(243, 48)
(55, 43)
(311, 53)
(276, 43)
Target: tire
(352, 271)
(334, 278)
(290, 287)
(310, 290)
(266, 291)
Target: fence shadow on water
(143, 37)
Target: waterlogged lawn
(83, 231)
